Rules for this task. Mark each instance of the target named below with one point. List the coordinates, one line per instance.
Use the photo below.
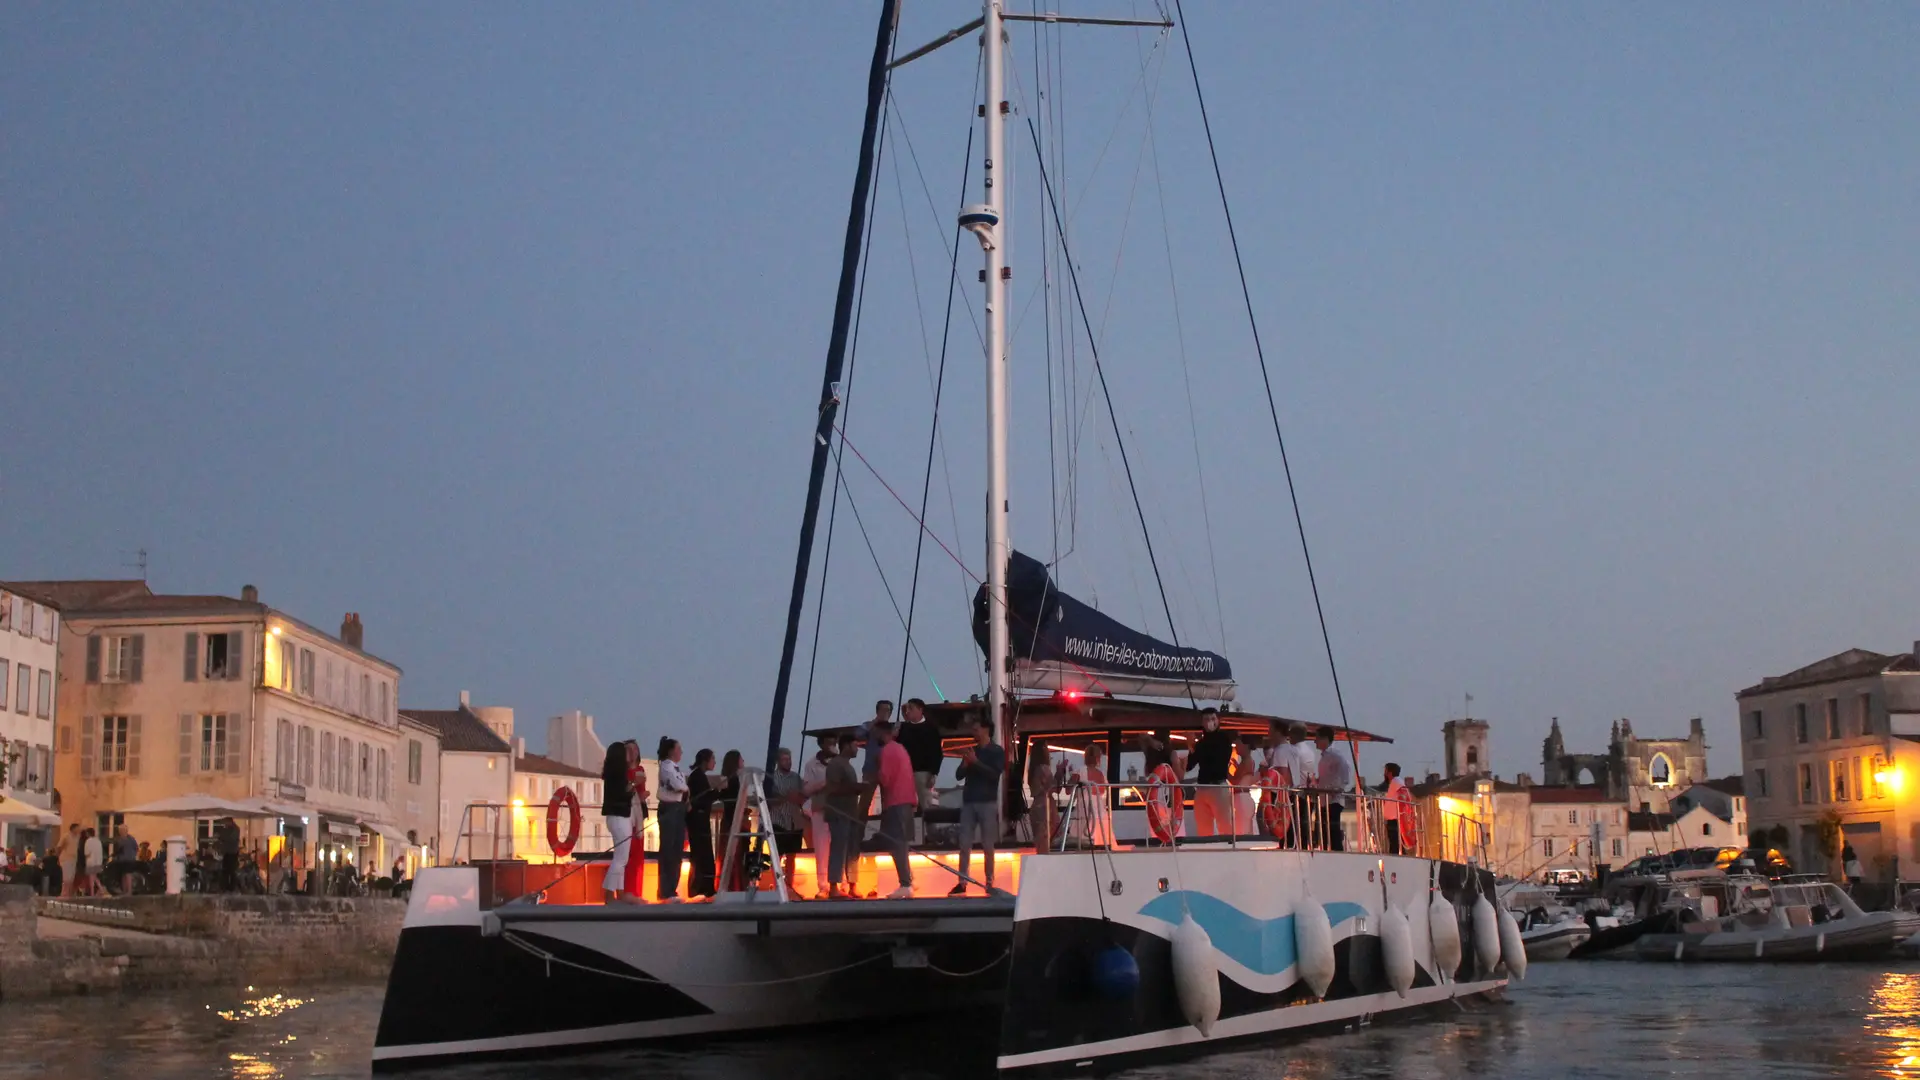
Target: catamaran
(1115, 934)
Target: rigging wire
(933, 429)
(911, 648)
(1113, 417)
(1266, 379)
(846, 410)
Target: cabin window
(1833, 718)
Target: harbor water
(1589, 1020)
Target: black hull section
(450, 985)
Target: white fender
(1196, 978)
(1313, 944)
(1396, 949)
(1420, 937)
(1443, 922)
(1486, 935)
(1512, 949)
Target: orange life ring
(1274, 809)
(1166, 804)
(563, 796)
(1409, 822)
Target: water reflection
(1589, 1021)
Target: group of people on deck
(823, 807)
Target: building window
(1759, 786)
(1661, 771)
(120, 659)
(343, 770)
(213, 742)
(326, 760)
(283, 750)
(1833, 718)
(366, 696)
(380, 777)
(1800, 722)
(1619, 847)
(1756, 725)
(22, 690)
(386, 717)
(1546, 847)
(43, 708)
(366, 772)
(1838, 770)
(1806, 784)
(1706, 828)
(223, 658)
(286, 664)
(1573, 817)
(306, 672)
(116, 733)
(326, 683)
(1879, 767)
(413, 761)
(1863, 712)
(306, 755)
(6, 669)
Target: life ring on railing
(1409, 822)
(563, 796)
(1166, 809)
(1275, 810)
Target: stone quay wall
(150, 942)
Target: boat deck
(765, 908)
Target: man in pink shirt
(899, 798)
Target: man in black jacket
(921, 739)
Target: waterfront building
(1643, 773)
(416, 803)
(572, 740)
(29, 713)
(1836, 744)
(162, 696)
(1582, 827)
(1478, 817)
(476, 771)
(1726, 798)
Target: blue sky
(1592, 330)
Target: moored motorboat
(1778, 922)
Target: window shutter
(186, 744)
(191, 671)
(66, 739)
(86, 740)
(133, 746)
(236, 737)
(237, 655)
(93, 658)
(139, 647)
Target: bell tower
(1466, 748)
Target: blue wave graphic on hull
(1264, 946)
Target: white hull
(532, 979)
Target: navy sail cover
(1061, 643)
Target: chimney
(1524, 779)
(351, 632)
(465, 701)
(1916, 650)
(251, 595)
(519, 746)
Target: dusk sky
(1592, 329)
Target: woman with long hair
(637, 865)
(674, 790)
(616, 807)
(701, 798)
(727, 795)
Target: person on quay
(616, 806)
(69, 861)
(843, 793)
(921, 738)
(92, 855)
(1335, 780)
(674, 790)
(981, 766)
(1393, 802)
(898, 802)
(637, 864)
(785, 797)
(126, 859)
(701, 798)
(727, 790)
(813, 784)
(1211, 760)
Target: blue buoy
(1116, 974)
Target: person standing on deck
(1212, 757)
(980, 767)
(1335, 780)
(1098, 794)
(616, 807)
(1304, 770)
(701, 798)
(898, 801)
(813, 784)
(1393, 803)
(870, 761)
(637, 863)
(921, 738)
(841, 805)
(727, 789)
(1040, 794)
(674, 790)
(788, 820)
(1246, 773)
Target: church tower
(1551, 753)
(1466, 748)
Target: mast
(836, 361)
(984, 220)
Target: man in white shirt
(1335, 779)
(813, 784)
(1303, 766)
